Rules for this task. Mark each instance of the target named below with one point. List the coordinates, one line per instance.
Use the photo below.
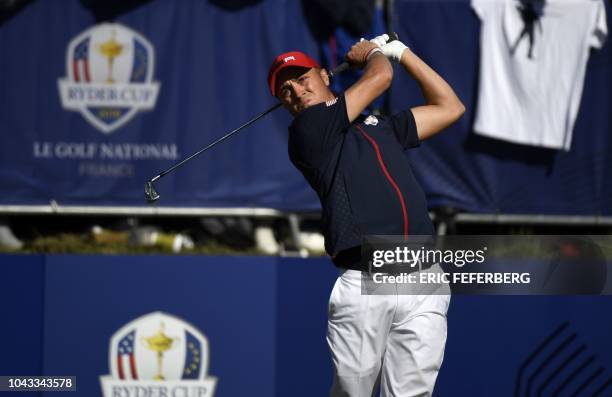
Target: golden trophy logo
(111, 49)
(160, 343)
(161, 353)
(109, 76)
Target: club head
(150, 193)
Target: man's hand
(393, 50)
(361, 52)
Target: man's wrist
(372, 53)
(394, 50)
(401, 54)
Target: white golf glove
(393, 50)
(380, 40)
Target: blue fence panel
(231, 300)
(265, 321)
(21, 329)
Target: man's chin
(309, 104)
(305, 106)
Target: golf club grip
(345, 65)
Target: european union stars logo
(193, 360)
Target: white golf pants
(396, 340)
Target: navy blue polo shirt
(360, 172)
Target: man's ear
(324, 76)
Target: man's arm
(375, 80)
(442, 107)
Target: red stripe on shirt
(389, 178)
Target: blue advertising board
(233, 326)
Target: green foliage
(70, 243)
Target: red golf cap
(288, 59)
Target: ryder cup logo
(158, 355)
(109, 70)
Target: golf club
(151, 194)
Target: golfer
(357, 166)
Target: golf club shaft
(340, 68)
(224, 137)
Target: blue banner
(92, 110)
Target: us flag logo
(126, 366)
(331, 102)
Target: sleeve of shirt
(600, 30)
(404, 127)
(479, 7)
(315, 131)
